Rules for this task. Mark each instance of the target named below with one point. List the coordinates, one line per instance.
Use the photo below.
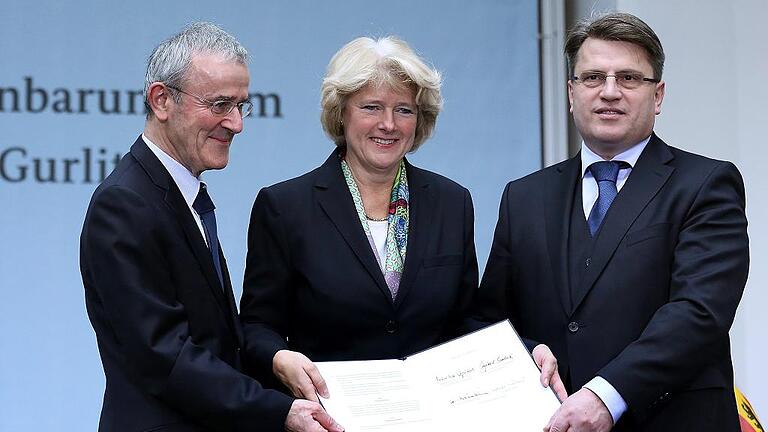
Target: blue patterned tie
(605, 173)
(204, 207)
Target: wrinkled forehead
(210, 72)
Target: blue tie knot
(203, 203)
(605, 170)
(605, 174)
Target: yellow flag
(747, 415)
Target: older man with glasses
(157, 289)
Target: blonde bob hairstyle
(385, 61)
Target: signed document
(484, 381)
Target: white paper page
(483, 381)
(368, 396)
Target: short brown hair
(616, 26)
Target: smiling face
(191, 133)
(609, 118)
(379, 128)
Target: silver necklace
(373, 219)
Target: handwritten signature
(484, 366)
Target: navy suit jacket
(167, 330)
(312, 283)
(652, 311)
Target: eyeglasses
(625, 80)
(221, 107)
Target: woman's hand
(299, 374)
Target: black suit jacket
(311, 276)
(167, 330)
(653, 308)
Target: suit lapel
(196, 241)
(420, 201)
(230, 295)
(558, 202)
(336, 201)
(175, 201)
(646, 179)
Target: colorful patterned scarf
(397, 225)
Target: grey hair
(389, 61)
(171, 60)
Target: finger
(307, 391)
(297, 393)
(327, 421)
(548, 427)
(315, 427)
(303, 387)
(295, 389)
(559, 427)
(317, 380)
(547, 364)
(307, 387)
(557, 423)
(548, 368)
(559, 387)
(301, 417)
(549, 424)
(538, 355)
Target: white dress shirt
(188, 184)
(379, 233)
(589, 191)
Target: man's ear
(659, 96)
(159, 100)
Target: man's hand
(306, 416)
(547, 362)
(299, 374)
(582, 412)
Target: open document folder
(484, 381)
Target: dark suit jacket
(652, 311)
(168, 333)
(311, 276)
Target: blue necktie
(605, 173)
(204, 207)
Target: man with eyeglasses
(628, 260)
(157, 289)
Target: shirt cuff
(608, 394)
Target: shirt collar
(188, 184)
(630, 155)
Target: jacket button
(587, 262)
(391, 327)
(573, 326)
